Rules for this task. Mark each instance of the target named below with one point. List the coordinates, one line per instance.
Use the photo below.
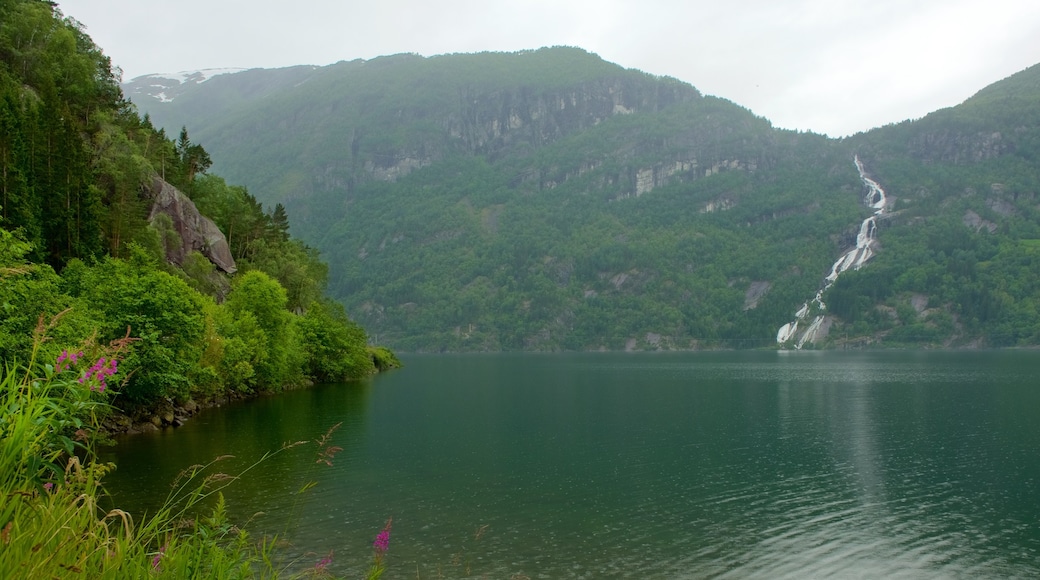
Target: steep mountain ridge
(1000, 119)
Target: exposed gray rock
(958, 145)
(146, 427)
(197, 232)
(919, 302)
(1002, 207)
(754, 293)
(825, 328)
(975, 221)
(118, 423)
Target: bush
(336, 346)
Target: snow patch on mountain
(195, 76)
(165, 87)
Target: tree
(279, 224)
(336, 347)
(193, 158)
(27, 292)
(257, 296)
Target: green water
(726, 465)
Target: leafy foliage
(77, 239)
(161, 311)
(328, 336)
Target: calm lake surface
(692, 465)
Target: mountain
(168, 86)
(206, 93)
(961, 248)
(551, 200)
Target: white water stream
(853, 259)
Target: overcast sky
(830, 66)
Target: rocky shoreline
(169, 414)
(165, 415)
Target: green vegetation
(964, 253)
(517, 222)
(550, 200)
(958, 265)
(75, 164)
(94, 319)
(51, 522)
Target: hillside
(960, 257)
(551, 200)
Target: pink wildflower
(158, 557)
(324, 562)
(382, 543)
(66, 360)
(100, 371)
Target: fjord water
(728, 465)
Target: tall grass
(51, 523)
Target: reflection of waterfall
(854, 259)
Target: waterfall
(852, 259)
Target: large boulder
(197, 232)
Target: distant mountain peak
(195, 76)
(165, 87)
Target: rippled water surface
(726, 465)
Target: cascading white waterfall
(852, 259)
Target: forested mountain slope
(961, 259)
(551, 200)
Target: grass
(51, 522)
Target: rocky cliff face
(959, 147)
(491, 123)
(499, 123)
(196, 232)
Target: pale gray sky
(830, 66)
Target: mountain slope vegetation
(962, 246)
(551, 200)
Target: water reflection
(730, 465)
(148, 464)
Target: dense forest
(549, 200)
(85, 255)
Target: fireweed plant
(380, 547)
(51, 521)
